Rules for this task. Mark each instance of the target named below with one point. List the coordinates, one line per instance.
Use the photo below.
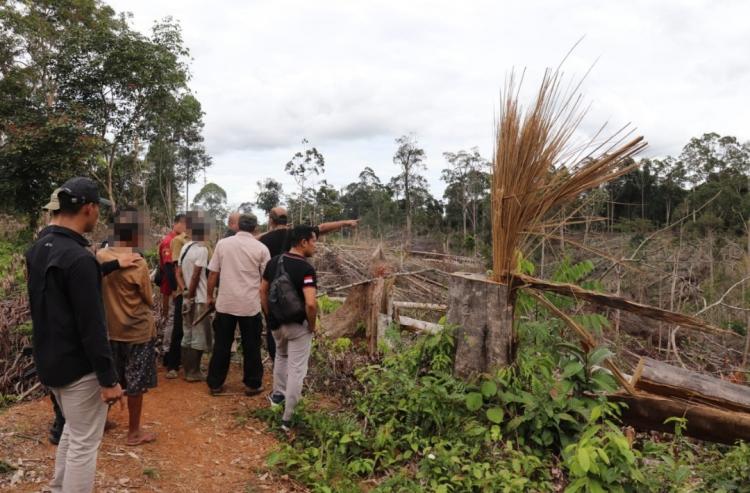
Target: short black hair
(302, 232)
(247, 222)
(179, 217)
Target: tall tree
(268, 195)
(369, 200)
(410, 159)
(468, 178)
(212, 199)
(303, 166)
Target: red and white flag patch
(308, 280)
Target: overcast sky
(351, 76)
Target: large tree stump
(369, 304)
(483, 313)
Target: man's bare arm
(194, 280)
(334, 226)
(213, 280)
(264, 296)
(311, 306)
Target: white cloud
(353, 76)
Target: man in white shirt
(193, 265)
(239, 261)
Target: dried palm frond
(539, 167)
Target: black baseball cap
(80, 190)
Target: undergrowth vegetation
(543, 424)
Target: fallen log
(419, 325)
(646, 412)
(404, 305)
(618, 302)
(660, 378)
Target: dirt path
(204, 444)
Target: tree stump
(369, 304)
(483, 313)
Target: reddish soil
(204, 444)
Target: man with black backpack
(288, 296)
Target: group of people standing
(94, 332)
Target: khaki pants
(197, 337)
(85, 414)
(293, 342)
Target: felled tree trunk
(483, 313)
(646, 411)
(666, 380)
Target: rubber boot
(192, 365)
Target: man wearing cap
(126, 261)
(277, 239)
(71, 351)
(239, 261)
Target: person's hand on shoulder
(129, 260)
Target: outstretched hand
(352, 223)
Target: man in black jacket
(71, 351)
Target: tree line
(708, 182)
(82, 93)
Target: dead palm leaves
(539, 166)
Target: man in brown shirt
(130, 322)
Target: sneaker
(275, 399)
(171, 374)
(251, 391)
(216, 391)
(286, 426)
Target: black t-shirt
(300, 271)
(277, 241)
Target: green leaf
(572, 368)
(489, 388)
(474, 401)
(495, 414)
(599, 354)
(583, 459)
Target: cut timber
(368, 304)
(666, 380)
(646, 411)
(345, 320)
(618, 302)
(419, 325)
(483, 314)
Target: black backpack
(284, 301)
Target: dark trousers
(59, 418)
(252, 365)
(172, 358)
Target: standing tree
(410, 160)
(468, 177)
(268, 195)
(212, 199)
(302, 167)
(369, 200)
